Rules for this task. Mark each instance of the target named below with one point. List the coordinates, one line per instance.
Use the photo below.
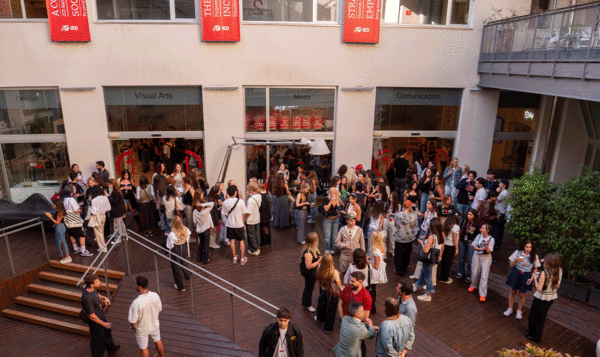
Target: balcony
(554, 52)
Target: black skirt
(518, 281)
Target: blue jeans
(272, 199)
(313, 210)
(59, 237)
(463, 210)
(330, 231)
(424, 199)
(425, 278)
(465, 254)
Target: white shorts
(142, 339)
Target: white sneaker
(85, 253)
(310, 221)
(508, 312)
(215, 246)
(76, 249)
(519, 314)
(424, 297)
(116, 241)
(414, 277)
(66, 260)
(415, 288)
(310, 309)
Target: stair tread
(70, 280)
(82, 268)
(78, 275)
(66, 324)
(46, 305)
(52, 299)
(50, 290)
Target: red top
(348, 297)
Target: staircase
(54, 300)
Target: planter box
(595, 296)
(578, 291)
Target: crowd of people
(371, 220)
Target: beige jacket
(344, 238)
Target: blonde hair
(377, 242)
(253, 186)
(466, 169)
(179, 229)
(326, 270)
(311, 243)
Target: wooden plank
(81, 268)
(69, 280)
(43, 321)
(54, 292)
(44, 305)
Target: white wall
(571, 144)
(171, 54)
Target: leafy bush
(531, 351)
(565, 220)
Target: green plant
(531, 351)
(574, 231)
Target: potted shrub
(531, 351)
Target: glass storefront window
(433, 149)
(140, 155)
(31, 111)
(14, 9)
(426, 12)
(145, 10)
(510, 158)
(35, 168)
(289, 11)
(290, 109)
(417, 109)
(154, 108)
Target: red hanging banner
(68, 20)
(361, 21)
(220, 20)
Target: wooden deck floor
(453, 324)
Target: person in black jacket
(117, 209)
(271, 340)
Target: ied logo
(357, 29)
(217, 28)
(65, 28)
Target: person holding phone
(524, 263)
(483, 246)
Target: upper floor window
(145, 9)
(426, 12)
(28, 9)
(31, 111)
(290, 11)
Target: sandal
(244, 261)
(235, 259)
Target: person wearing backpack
(233, 212)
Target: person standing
(253, 219)
(73, 221)
(204, 223)
(356, 327)
(466, 189)
(101, 339)
(483, 246)
(355, 292)
(104, 174)
(451, 231)
(435, 240)
(396, 334)
(281, 338)
(330, 209)
(392, 207)
(405, 222)
(176, 243)
(143, 317)
(233, 212)
(330, 287)
(452, 175)
(480, 194)
(100, 205)
(117, 210)
(469, 229)
(400, 167)
(311, 258)
(407, 304)
(59, 230)
(301, 207)
(524, 263)
(501, 207)
(491, 184)
(349, 238)
(546, 285)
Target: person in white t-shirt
(143, 317)
(480, 195)
(253, 219)
(233, 212)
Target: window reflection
(31, 112)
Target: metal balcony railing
(569, 37)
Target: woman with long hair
(376, 219)
(176, 242)
(215, 214)
(524, 263)
(469, 229)
(359, 263)
(452, 175)
(160, 184)
(447, 208)
(188, 197)
(313, 180)
(546, 285)
(60, 230)
(172, 205)
(392, 206)
(430, 214)
(117, 209)
(412, 193)
(377, 263)
(435, 240)
(99, 206)
(281, 206)
(438, 189)
(265, 216)
(412, 174)
(483, 245)
(426, 188)
(178, 176)
(203, 222)
(301, 212)
(147, 207)
(311, 258)
(330, 287)
(330, 208)
(128, 190)
(343, 188)
(451, 230)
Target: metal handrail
(543, 13)
(207, 272)
(96, 258)
(6, 234)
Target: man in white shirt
(233, 212)
(143, 316)
(252, 216)
(481, 193)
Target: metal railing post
(192, 291)
(156, 268)
(12, 266)
(106, 280)
(127, 269)
(232, 317)
(45, 243)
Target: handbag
(430, 257)
(73, 220)
(93, 222)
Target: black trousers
(537, 317)
(447, 258)
(309, 285)
(327, 310)
(203, 248)
(373, 291)
(402, 253)
(177, 252)
(265, 234)
(101, 340)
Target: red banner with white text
(68, 20)
(220, 20)
(361, 21)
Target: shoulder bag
(431, 257)
(73, 220)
